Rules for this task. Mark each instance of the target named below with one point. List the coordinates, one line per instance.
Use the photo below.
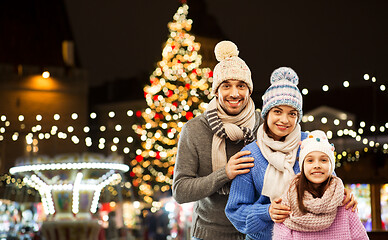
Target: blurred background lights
(57, 116)
(46, 74)
(325, 88)
(346, 84)
(126, 150)
(305, 91)
(366, 76)
(329, 134)
(111, 114)
(86, 129)
(93, 115)
(74, 116)
(21, 118)
(38, 117)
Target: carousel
(70, 187)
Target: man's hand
(278, 212)
(238, 164)
(350, 200)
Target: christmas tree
(179, 90)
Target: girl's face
(233, 96)
(316, 167)
(281, 121)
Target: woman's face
(281, 121)
(316, 167)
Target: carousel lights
(57, 116)
(62, 166)
(77, 182)
(99, 187)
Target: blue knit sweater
(247, 209)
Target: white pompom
(319, 134)
(225, 49)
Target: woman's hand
(350, 200)
(278, 212)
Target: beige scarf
(281, 158)
(321, 211)
(238, 127)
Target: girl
(249, 206)
(315, 197)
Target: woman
(254, 202)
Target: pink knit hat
(230, 66)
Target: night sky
(324, 41)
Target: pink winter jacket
(346, 226)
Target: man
(209, 156)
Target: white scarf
(281, 158)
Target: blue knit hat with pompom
(283, 91)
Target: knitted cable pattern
(321, 211)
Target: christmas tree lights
(179, 90)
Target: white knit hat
(230, 66)
(283, 91)
(317, 141)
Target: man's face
(233, 96)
